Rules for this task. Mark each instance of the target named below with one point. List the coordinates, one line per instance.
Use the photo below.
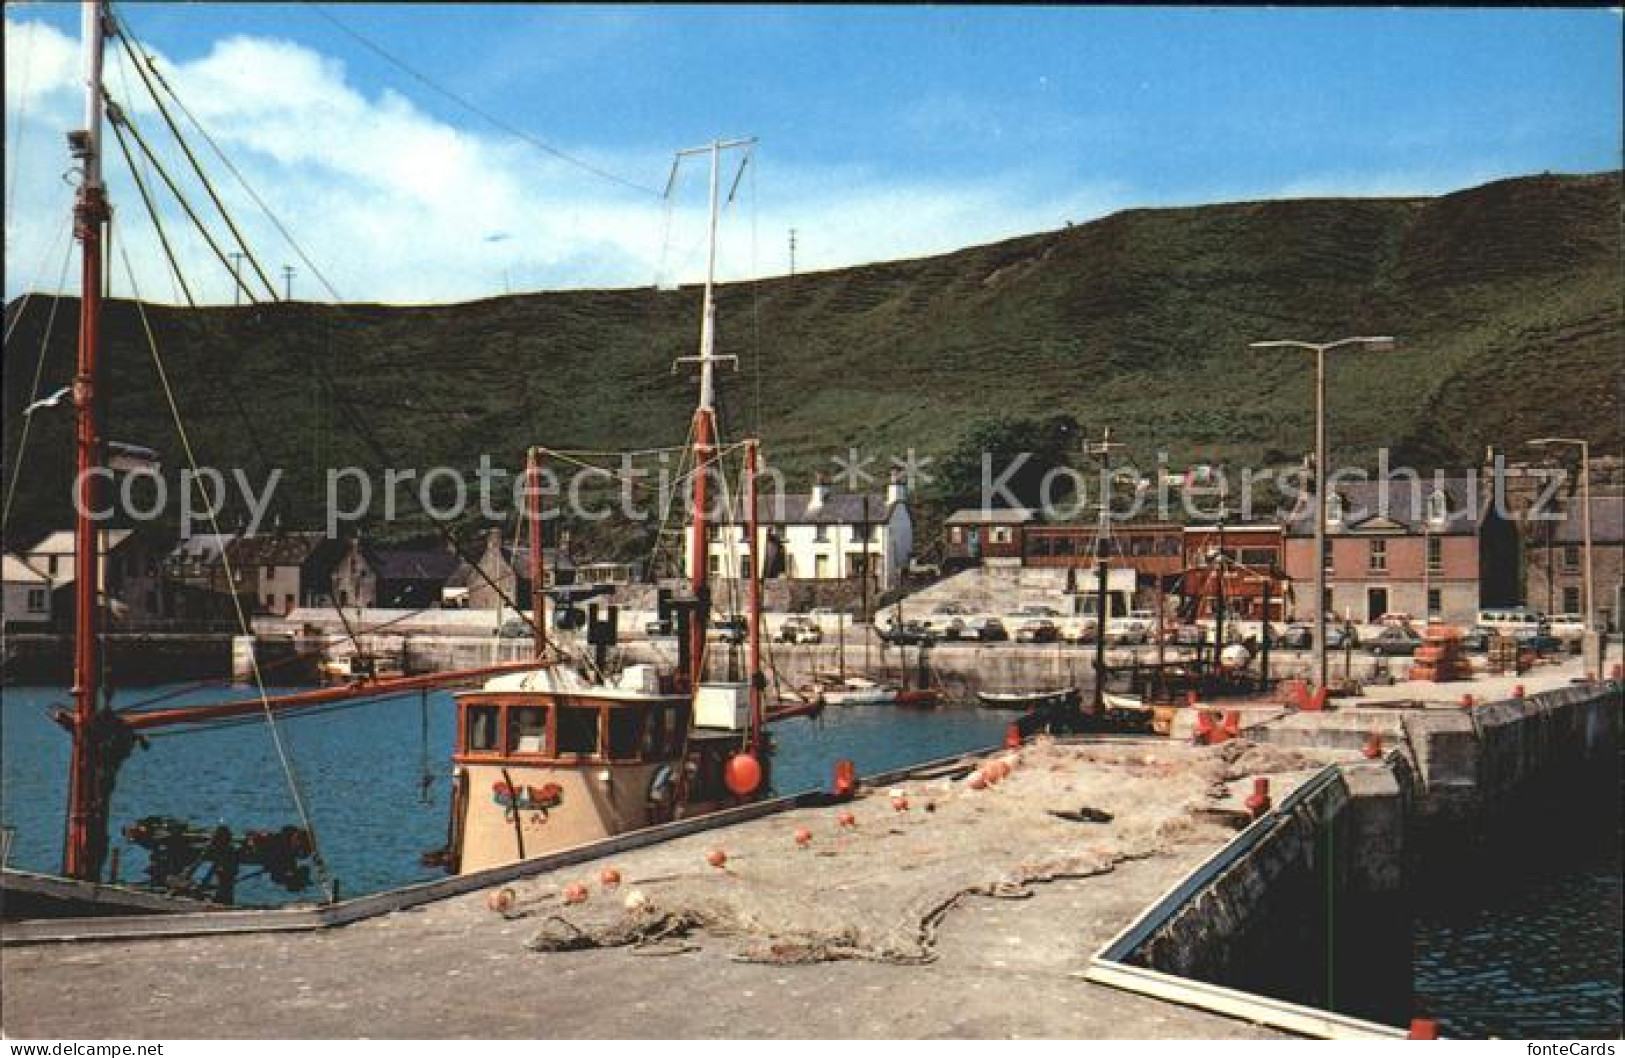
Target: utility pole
(287, 282)
(236, 276)
(792, 251)
(1103, 449)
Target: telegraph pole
(236, 276)
(1102, 449)
(792, 251)
(287, 282)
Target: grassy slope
(1506, 298)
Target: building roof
(17, 571)
(1395, 505)
(61, 542)
(273, 549)
(838, 508)
(201, 547)
(991, 516)
(1607, 522)
(430, 564)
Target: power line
(477, 111)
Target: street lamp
(1585, 518)
(1380, 343)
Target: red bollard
(1203, 734)
(1517, 691)
(1467, 701)
(1012, 736)
(846, 778)
(1373, 746)
(1259, 802)
(1232, 724)
(1423, 1029)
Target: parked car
(985, 630)
(1510, 620)
(950, 609)
(953, 628)
(1037, 630)
(1476, 639)
(1395, 641)
(1396, 620)
(658, 628)
(1036, 610)
(1078, 629)
(797, 629)
(730, 628)
(1567, 627)
(1127, 630)
(1538, 640)
(909, 633)
(1301, 636)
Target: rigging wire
(484, 115)
(236, 601)
(16, 154)
(39, 374)
(39, 274)
(203, 177)
(146, 200)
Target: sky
(448, 152)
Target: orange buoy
(846, 819)
(609, 877)
(803, 837)
(900, 803)
(500, 900)
(742, 774)
(575, 893)
(977, 781)
(1012, 736)
(716, 857)
(846, 778)
(1423, 1029)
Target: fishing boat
(1026, 701)
(551, 751)
(851, 690)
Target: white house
(819, 536)
(27, 599)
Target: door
(1376, 603)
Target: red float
(742, 774)
(803, 837)
(846, 819)
(575, 893)
(1259, 802)
(609, 877)
(500, 901)
(1423, 1029)
(846, 778)
(716, 857)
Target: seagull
(48, 402)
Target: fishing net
(874, 878)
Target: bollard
(1423, 1029)
(1232, 724)
(1204, 728)
(1466, 701)
(1259, 802)
(1012, 736)
(1517, 691)
(846, 778)
(1373, 746)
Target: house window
(1326, 554)
(1571, 557)
(821, 533)
(344, 597)
(957, 534)
(1379, 556)
(270, 573)
(716, 532)
(716, 565)
(50, 565)
(288, 602)
(999, 534)
(1435, 555)
(821, 567)
(744, 568)
(270, 603)
(36, 600)
(1571, 600)
(1258, 557)
(1435, 602)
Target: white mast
(707, 357)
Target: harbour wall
(1312, 905)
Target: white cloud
(394, 204)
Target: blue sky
(885, 132)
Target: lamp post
(1585, 518)
(1320, 349)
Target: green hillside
(1506, 298)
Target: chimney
(897, 490)
(820, 494)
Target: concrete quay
(971, 914)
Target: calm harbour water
(1531, 949)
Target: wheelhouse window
(626, 731)
(577, 730)
(480, 729)
(527, 729)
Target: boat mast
(533, 512)
(704, 425)
(86, 843)
(755, 568)
(1104, 449)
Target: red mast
(533, 506)
(86, 842)
(755, 559)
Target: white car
(1569, 627)
(1077, 629)
(1130, 629)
